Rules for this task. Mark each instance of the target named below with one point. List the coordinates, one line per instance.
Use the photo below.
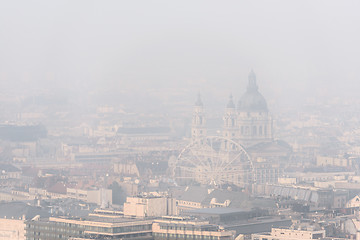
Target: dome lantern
(252, 100)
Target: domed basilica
(250, 125)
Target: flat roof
(219, 210)
(100, 220)
(113, 220)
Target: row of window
(75, 229)
(165, 227)
(171, 236)
(135, 228)
(255, 131)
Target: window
(246, 130)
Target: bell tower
(198, 129)
(230, 126)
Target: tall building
(230, 128)
(198, 129)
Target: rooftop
(219, 210)
(89, 220)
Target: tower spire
(231, 102)
(229, 129)
(252, 86)
(198, 101)
(198, 130)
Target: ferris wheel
(214, 161)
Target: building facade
(177, 228)
(150, 206)
(91, 227)
(290, 234)
(12, 229)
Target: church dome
(252, 100)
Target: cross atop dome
(252, 86)
(198, 102)
(231, 102)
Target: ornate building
(250, 125)
(198, 128)
(254, 122)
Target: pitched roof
(207, 196)
(17, 210)
(8, 168)
(193, 194)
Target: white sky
(298, 49)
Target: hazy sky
(298, 49)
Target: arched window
(265, 130)
(247, 130)
(254, 132)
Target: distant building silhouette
(254, 123)
(248, 124)
(198, 128)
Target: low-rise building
(333, 161)
(90, 227)
(289, 234)
(150, 206)
(12, 219)
(177, 228)
(98, 196)
(354, 202)
(8, 171)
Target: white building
(101, 197)
(354, 202)
(150, 206)
(289, 234)
(12, 229)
